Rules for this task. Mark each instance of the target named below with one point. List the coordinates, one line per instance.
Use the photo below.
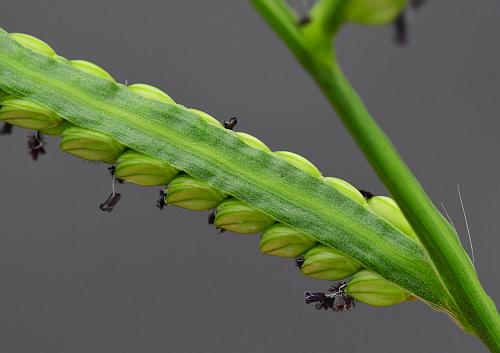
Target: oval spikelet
(238, 217)
(370, 288)
(299, 162)
(207, 117)
(151, 92)
(27, 114)
(284, 241)
(253, 141)
(57, 130)
(90, 145)
(347, 189)
(322, 262)
(140, 169)
(91, 68)
(33, 43)
(388, 209)
(187, 192)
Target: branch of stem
(470, 305)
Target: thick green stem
(474, 309)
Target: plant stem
(471, 306)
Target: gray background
(74, 279)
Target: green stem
(475, 310)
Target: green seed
(388, 209)
(372, 289)
(238, 217)
(323, 262)
(27, 114)
(90, 145)
(347, 189)
(141, 169)
(57, 130)
(151, 92)
(299, 162)
(91, 68)
(373, 12)
(207, 117)
(253, 141)
(282, 240)
(187, 192)
(33, 43)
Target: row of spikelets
(315, 260)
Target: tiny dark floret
(6, 129)
(160, 202)
(299, 261)
(211, 217)
(366, 194)
(231, 123)
(336, 298)
(110, 203)
(36, 145)
(112, 171)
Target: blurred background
(76, 279)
